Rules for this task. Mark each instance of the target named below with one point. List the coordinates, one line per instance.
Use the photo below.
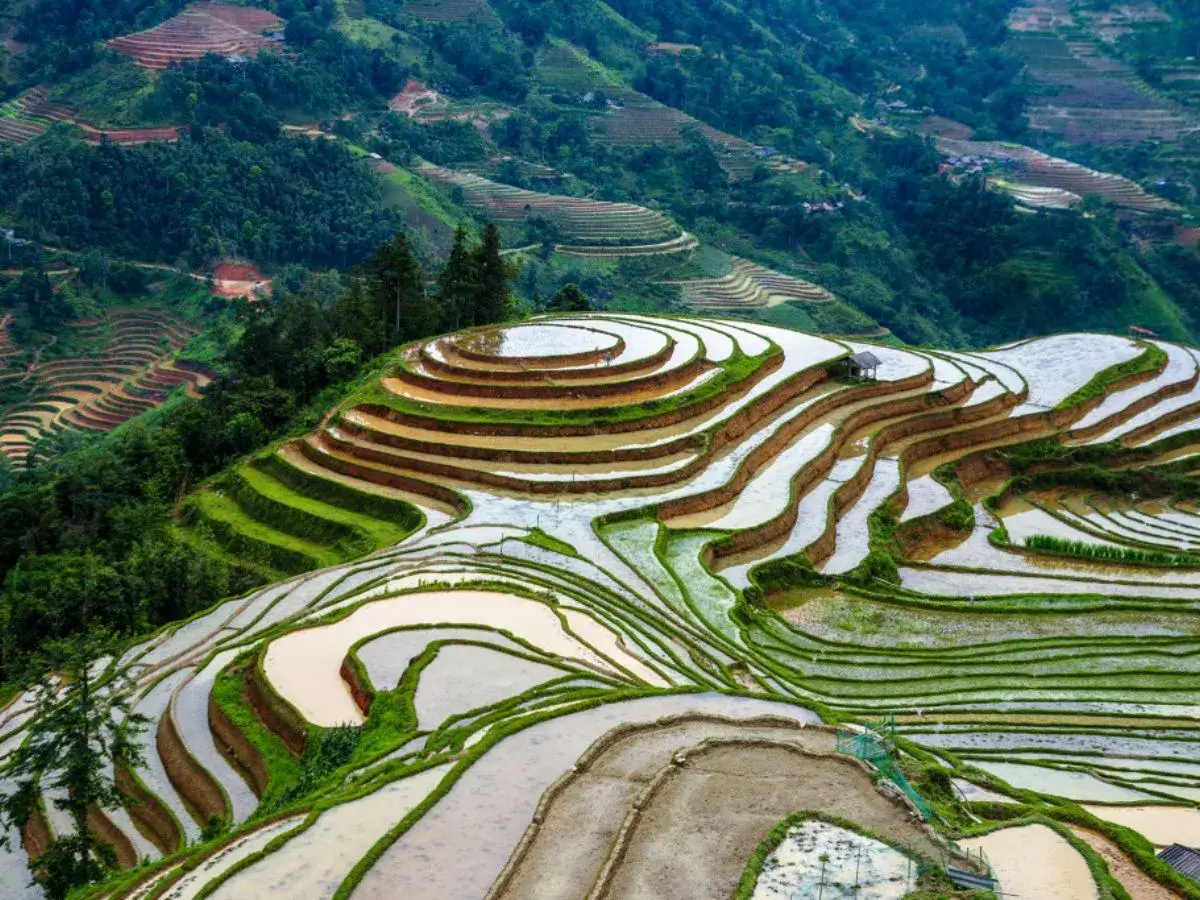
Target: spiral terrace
(565, 651)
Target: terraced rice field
(452, 11)
(587, 227)
(31, 114)
(749, 286)
(634, 119)
(135, 372)
(622, 572)
(1038, 179)
(1085, 94)
(200, 29)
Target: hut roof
(1183, 859)
(866, 360)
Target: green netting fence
(874, 746)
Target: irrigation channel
(649, 607)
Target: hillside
(654, 557)
(714, 146)
(565, 448)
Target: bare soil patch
(697, 832)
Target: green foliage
(208, 196)
(76, 736)
(1108, 552)
(958, 516)
(213, 828)
(569, 298)
(782, 574)
(326, 752)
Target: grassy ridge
(290, 521)
(1152, 361)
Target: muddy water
(1059, 782)
(537, 340)
(812, 514)
(977, 552)
(1007, 376)
(304, 666)
(609, 643)
(1024, 521)
(225, 859)
(459, 847)
(1034, 861)
(766, 495)
(718, 346)
(462, 678)
(854, 620)
(1151, 415)
(311, 865)
(973, 793)
(152, 705)
(1160, 825)
(1100, 520)
(949, 583)
(190, 714)
(771, 484)
(386, 657)
(925, 496)
(750, 342)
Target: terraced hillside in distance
(630, 118)
(586, 227)
(668, 607)
(32, 113)
(1086, 94)
(1038, 179)
(134, 370)
(201, 28)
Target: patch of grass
(539, 538)
(1107, 553)
(242, 535)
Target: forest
(89, 540)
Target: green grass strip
(242, 535)
(1107, 553)
(1151, 361)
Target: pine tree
(458, 285)
(79, 733)
(491, 301)
(356, 317)
(398, 292)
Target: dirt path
(1140, 885)
(695, 835)
(580, 825)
